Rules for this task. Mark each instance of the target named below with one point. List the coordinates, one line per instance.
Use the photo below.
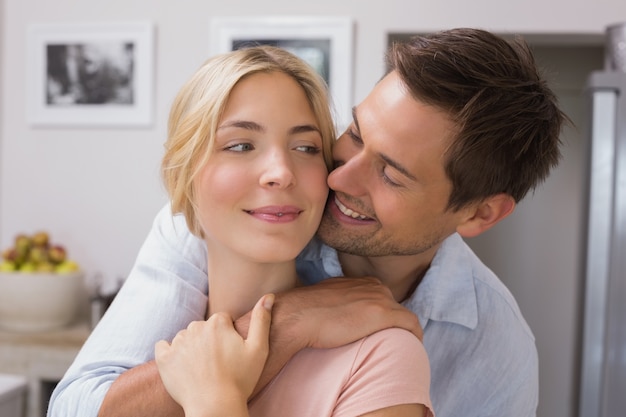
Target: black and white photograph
(91, 75)
(326, 43)
(316, 52)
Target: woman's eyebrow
(255, 127)
(242, 124)
(304, 129)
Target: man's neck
(402, 274)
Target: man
(443, 148)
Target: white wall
(97, 190)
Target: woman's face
(262, 192)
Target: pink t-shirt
(385, 369)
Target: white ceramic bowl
(31, 302)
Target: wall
(2, 36)
(537, 251)
(97, 190)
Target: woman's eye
(240, 147)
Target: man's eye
(354, 136)
(388, 180)
(308, 149)
(240, 147)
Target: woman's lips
(276, 214)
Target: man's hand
(332, 313)
(339, 311)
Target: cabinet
(42, 358)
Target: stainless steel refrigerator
(603, 367)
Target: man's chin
(328, 229)
(331, 234)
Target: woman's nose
(278, 171)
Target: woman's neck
(236, 283)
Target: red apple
(57, 254)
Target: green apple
(40, 239)
(38, 254)
(7, 266)
(66, 266)
(28, 267)
(46, 267)
(22, 243)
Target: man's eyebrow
(395, 164)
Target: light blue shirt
(482, 353)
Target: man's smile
(349, 212)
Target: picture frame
(90, 75)
(324, 42)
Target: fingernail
(268, 302)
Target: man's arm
(332, 313)
(139, 392)
(154, 303)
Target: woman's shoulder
(395, 339)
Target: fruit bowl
(38, 301)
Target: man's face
(390, 187)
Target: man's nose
(350, 174)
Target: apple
(56, 254)
(7, 266)
(9, 254)
(38, 254)
(66, 266)
(46, 267)
(40, 239)
(28, 267)
(22, 243)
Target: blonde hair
(200, 103)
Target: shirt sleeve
(165, 290)
(390, 369)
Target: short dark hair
(508, 120)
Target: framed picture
(326, 43)
(90, 74)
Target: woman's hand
(209, 369)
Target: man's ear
(484, 215)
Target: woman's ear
(484, 215)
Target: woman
(248, 152)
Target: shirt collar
(447, 291)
